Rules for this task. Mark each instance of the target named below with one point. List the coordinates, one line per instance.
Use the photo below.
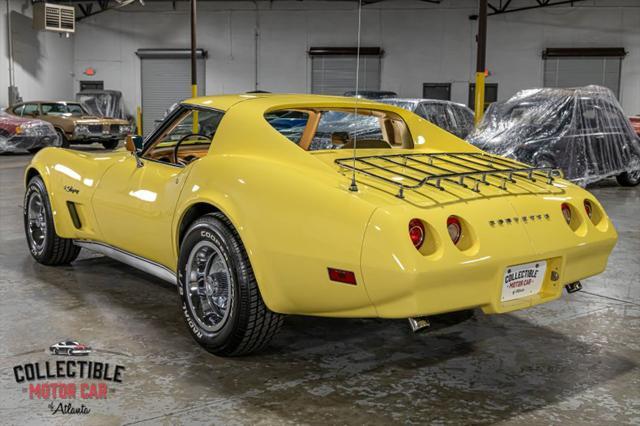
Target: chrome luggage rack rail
(433, 169)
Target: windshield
(64, 109)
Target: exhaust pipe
(419, 323)
(573, 287)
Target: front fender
(71, 177)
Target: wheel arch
(199, 208)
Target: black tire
(34, 150)
(629, 178)
(50, 249)
(64, 142)
(250, 325)
(110, 144)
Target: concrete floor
(573, 361)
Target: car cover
(582, 131)
(103, 103)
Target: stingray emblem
(520, 219)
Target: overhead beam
(503, 7)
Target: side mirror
(133, 143)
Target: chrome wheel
(634, 176)
(209, 286)
(36, 215)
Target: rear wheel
(110, 144)
(629, 178)
(44, 244)
(63, 141)
(34, 150)
(220, 299)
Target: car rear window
(341, 128)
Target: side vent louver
(54, 17)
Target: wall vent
(54, 17)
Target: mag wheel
(219, 295)
(629, 178)
(44, 244)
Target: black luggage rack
(476, 168)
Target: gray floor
(573, 361)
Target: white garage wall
(423, 43)
(43, 60)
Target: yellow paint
(479, 100)
(195, 125)
(296, 217)
(139, 120)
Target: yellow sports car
(264, 205)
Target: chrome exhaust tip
(419, 323)
(573, 287)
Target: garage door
(165, 80)
(582, 67)
(333, 69)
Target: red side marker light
(341, 276)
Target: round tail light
(416, 232)
(588, 208)
(566, 212)
(455, 229)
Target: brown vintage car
(74, 124)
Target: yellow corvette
(265, 205)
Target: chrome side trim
(130, 259)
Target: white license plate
(523, 280)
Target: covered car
(451, 116)
(102, 103)
(582, 131)
(19, 134)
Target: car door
(134, 205)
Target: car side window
(193, 130)
(54, 109)
(30, 109)
(289, 123)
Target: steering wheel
(182, 139)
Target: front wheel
(629, 178)
(44, 244)
(63, 142)
(219, 295)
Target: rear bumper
(403, 282)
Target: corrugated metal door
(336, 74)
(576, 72)
(166, 81)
